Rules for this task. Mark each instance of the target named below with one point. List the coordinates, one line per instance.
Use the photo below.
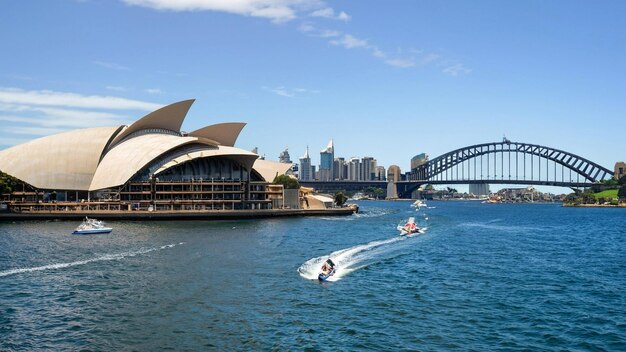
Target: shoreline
(623, 205)
(178, 215)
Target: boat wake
(354, 258)
(106, 257)
(363, 214)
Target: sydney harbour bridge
(506, 162)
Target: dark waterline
(483, 277)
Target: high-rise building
(366, 168)
(479, 189)
(305, 171)
(394, 173)
(284, 156)
(418, 160)
(354, 169)
(339, 169)
(380, 173)
(327, 158)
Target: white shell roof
(62, 161)
(127, 158)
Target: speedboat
(409, 227)
(418, 204)
(90, 226)
(328, 270)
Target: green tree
(7, 183)
(287, 182)
(340, 198)
(621, 194)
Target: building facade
(327, 159)
(148, 165)
(305, 170)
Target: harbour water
(482, 277)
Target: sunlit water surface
(482, 277)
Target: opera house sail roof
(106, 157)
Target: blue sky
(388, 79)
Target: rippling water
(483, 277)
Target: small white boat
(418, 204)
(90, 226)
(409, 227)
(327, 270)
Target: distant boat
(418, 204)
(90, 226)
(327, 270)
(409, 227)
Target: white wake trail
(106, 257)
(350, 259)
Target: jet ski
(409, 228)
(327, 270)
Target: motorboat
(327, 270)
(409, 227)
(90, 226)
(418, 204)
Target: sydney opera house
(150, 165)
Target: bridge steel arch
(494, 162)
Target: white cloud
(328, 12)
(402, 63)
(349, 41)
(36, 131)
(117, 88)
(111, 65)
(153, 91)
(52, 98)
(456, 70)
(289, 92)
(274, 10)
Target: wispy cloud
(402, 63)
(52, 98)
(44, 112)
(349, 41)
(153, 91)
(456, 69)
(329, 13)
(117, 88)
(274, 10)
(289, 92)
(111, 65)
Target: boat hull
(323, 277)
(88, 232)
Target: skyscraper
(354, 169)
(284, 156)
(339, 169)
(366, 168)
(305, 170)
(327, 157)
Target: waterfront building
(620, 170)
(327, 158)
(306, 172)
(284, 156)
(354, 169)
(148, 165)
(339, 169)
(394, 173)
(480, 189)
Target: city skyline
(389, 81)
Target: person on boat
(325, 268)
